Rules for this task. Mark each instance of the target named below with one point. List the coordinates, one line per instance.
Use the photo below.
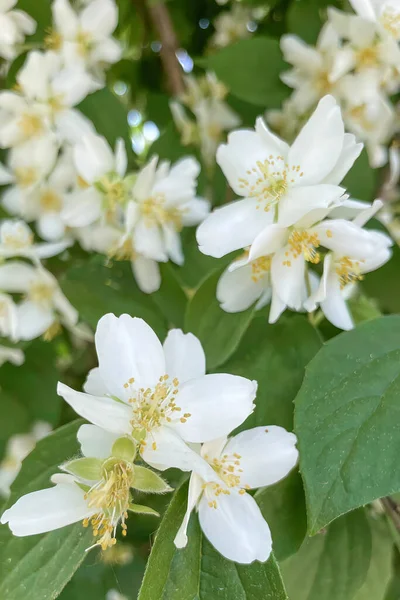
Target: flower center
(154, 407)
(359, 115)
(18, 238)
(228, 469)
(84, 41)
(303, 243)
(41, 292)
(260, 267)
(367, 57)
(110, 497)
(25, 177)
(50, 201)
(348, 271)
(269, 180)
(53, 40)
(124, 251)
(390, 20)
(114, 193)
(155, 212)
(30, 125)
(322, 83)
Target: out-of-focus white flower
(20, 119)
(85, 38)
(18, 447)
(231, 26)
(315, 71)
(386, 13)
(12, 355)
(44, 306)
(229, 517)
(158, 395)
(16, 239)
(115, 595)
(8, 317)
(275, 179)
(14, 26)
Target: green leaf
(170, 298)
(95, 289)
(347, 421)
(276, 357)
(34, 383)
(145, 480)
(86, 468)
(250, 69)
(39, 566)
(109, 116)
(334, 564)
(143, 510)
(198, 572)
(14, 419)
(41, 12)
(361, 182)
(380, 568)
(283, 507)
(219, 332)
(306, 17)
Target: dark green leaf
(361, 182)
(384, 284)
(39, 566)
(198, 572)
(334, 564)
(347, 421)
(219, 332)
(306, 17)
(250, 69)
(170, 298)
(14, 418)
(41, 12)
(95, 289)
(380, 568)
(275, 356)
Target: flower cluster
(14, 26)
(205, 98)
(293, 216)
(152, 404)
(357, 60)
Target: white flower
(104, 191)
(384, 12)
(14, 26)
(16, 239)
(18, 447)
(115, 595)
(360, 251)
(44, 306)
(158, 394)
(85, 38)
(315, 71)
(44, 81)
(231, 26)
(8, 318)
(164, 202)
(229, 517)
(276, 179)
(12, 355)
(20, 119)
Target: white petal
(267, 454)
(33, 320)
(47, 510)
(195, 212)
(121, 157)
(299, 201)
(72, 126)
(127, 347)
(149, 241)
(364, 8)
(319, 144)
(165, 449)
(101, 411)
(95, 442)
(93, 158)
(380, 258)
(65, 18)
(232, 227)
(236, 528)
(16, 276)
(347, 239)
(364, 216)
(277, 308)
(73, 84)
(147, 274)
(270, 240)
(194, 493)
(237, 291)
(82, 208)
(50, 227)
(334, 306)
(94, 384)
(184, 356)
(145, 181)
(217, 404)
(173, 246)
(289, 280)
(100, 17)
(349, 154)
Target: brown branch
(392, 510)
(162, 23)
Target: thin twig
(162, 23)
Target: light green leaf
(347, 421)
(198, 572)
(145, 480)
(86, 468)
(334, 564)
(143, 510)
(219, 332)
(380, 568)
(283, 507)
(275, 356)
(95, 289)
(39, 566)
(250, 69)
